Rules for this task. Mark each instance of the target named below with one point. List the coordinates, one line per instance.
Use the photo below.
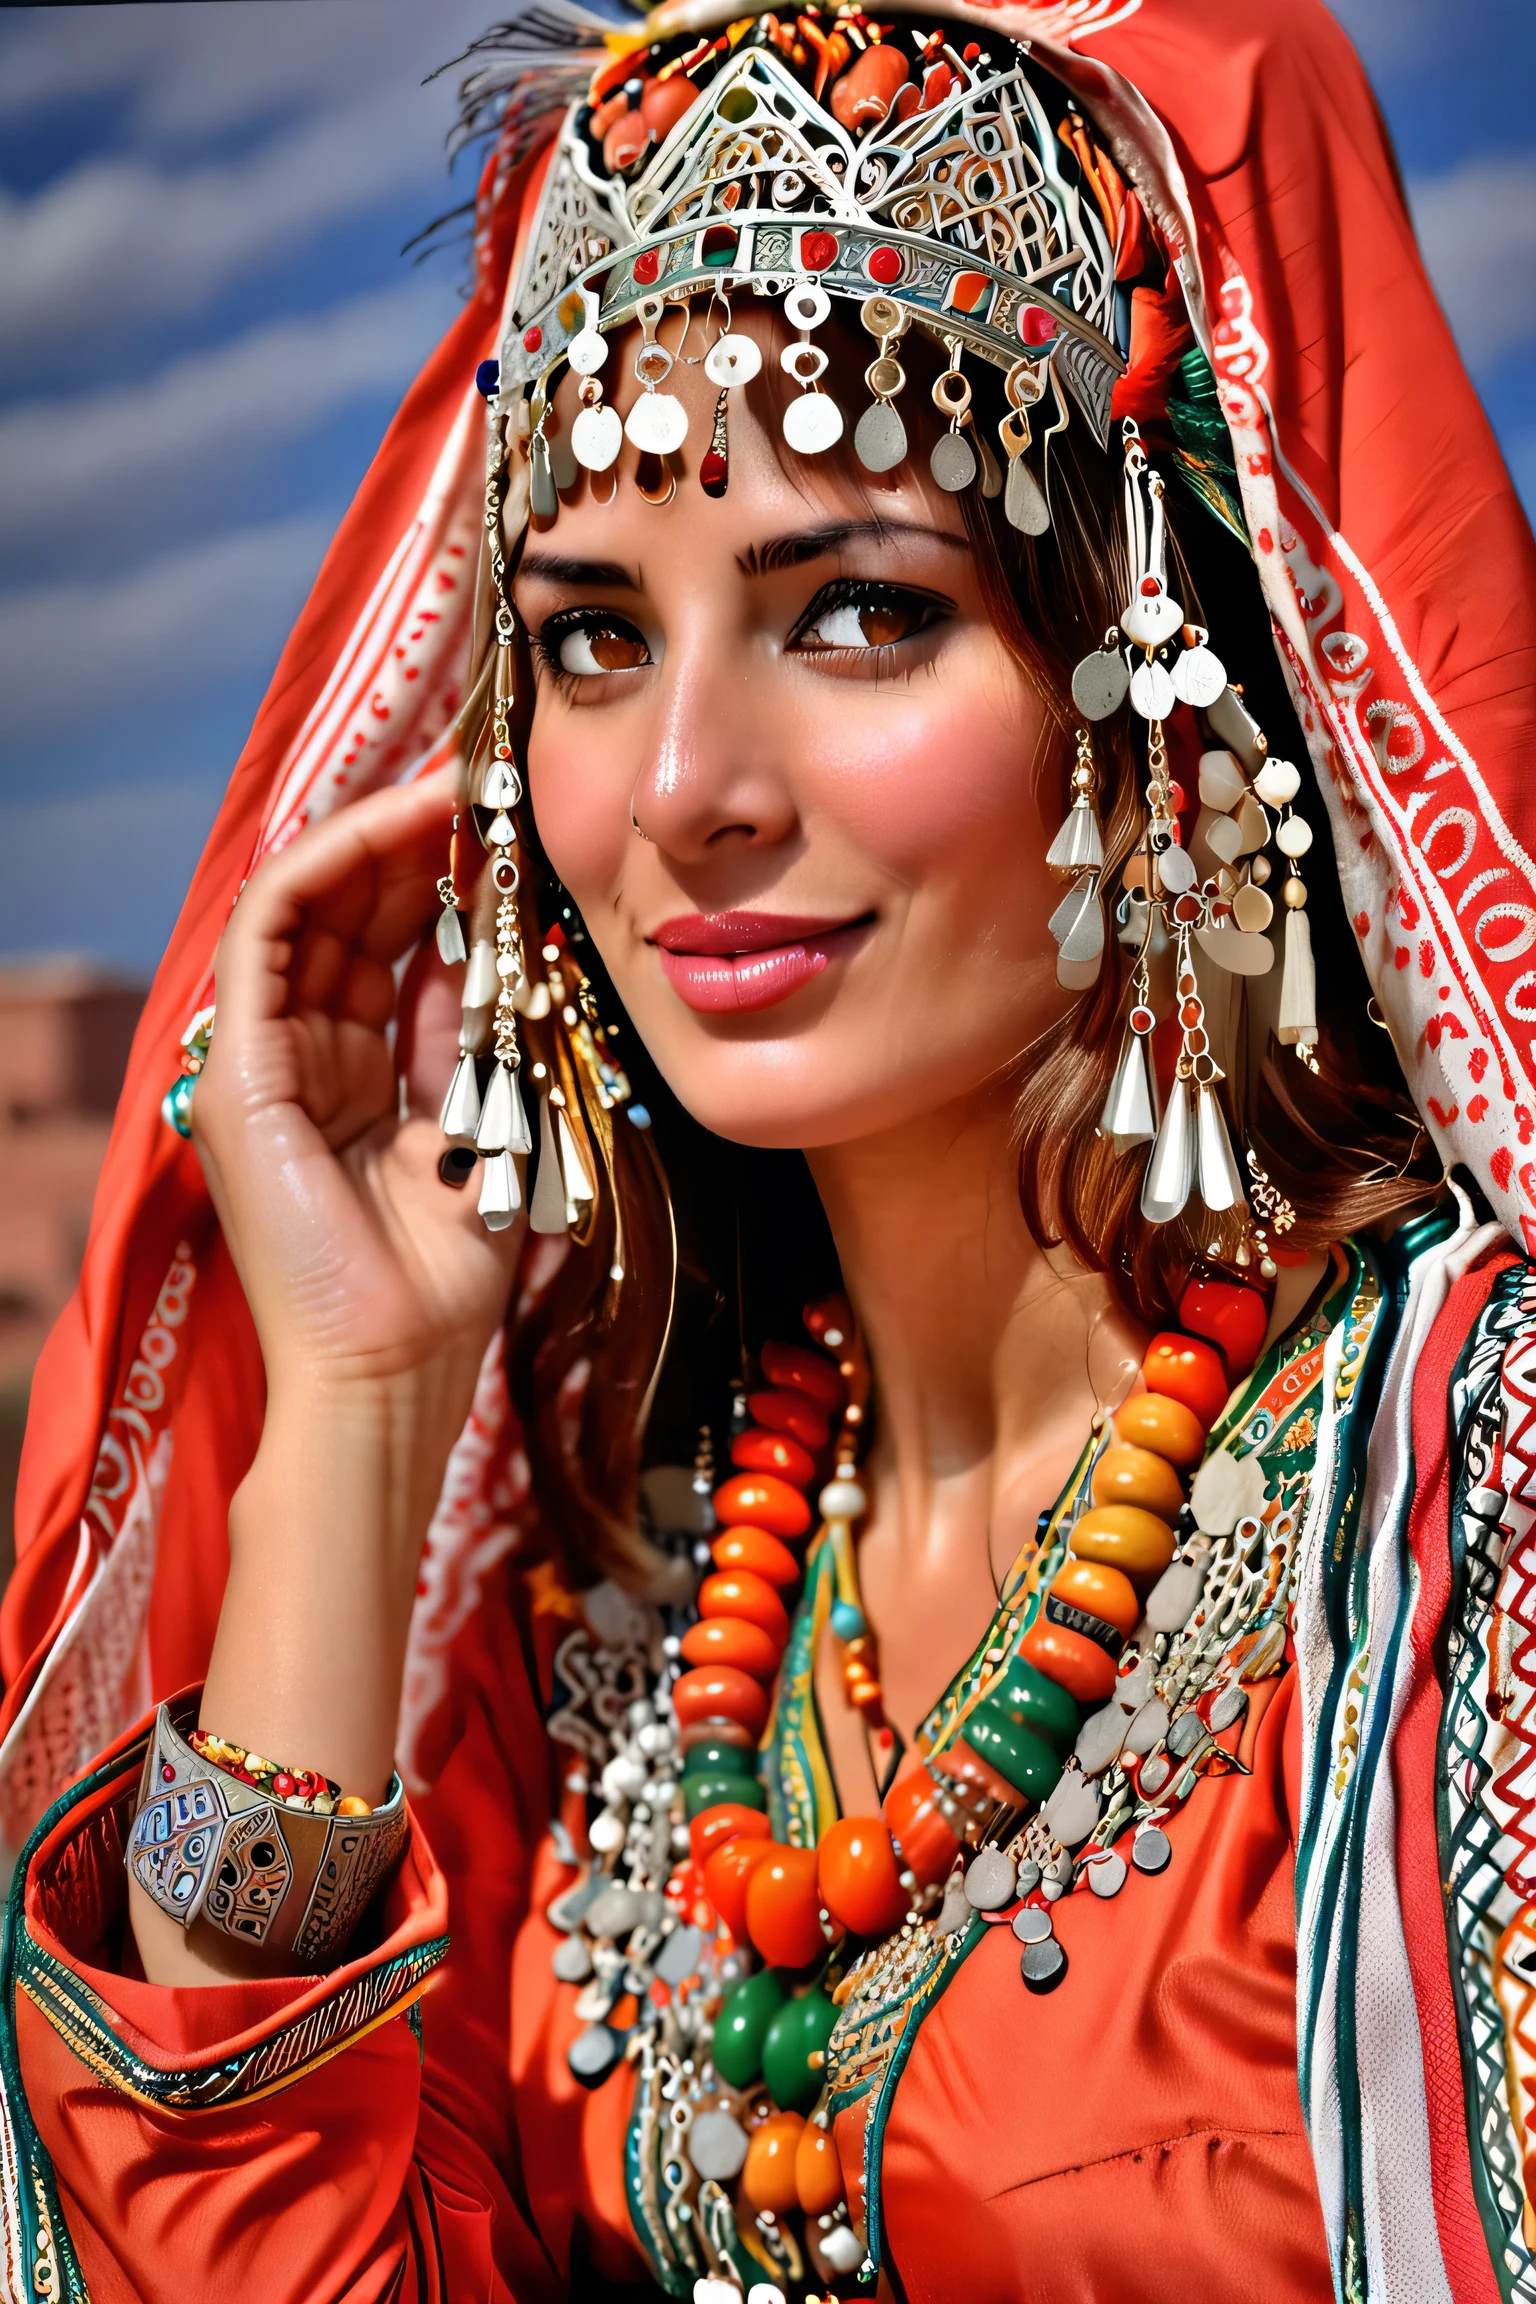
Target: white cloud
(1477, 228)
(70, 653)
(123, 459)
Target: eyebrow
(601, 575)
(835, 536)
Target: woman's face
(783, 762)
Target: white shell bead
(1294, 837)
(842, 1500)
(1277, 782)
(1222, 783)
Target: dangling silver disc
(1176, 871)
(880, 438)
(813, 423)
(1024, 500)
(657, 424)
(596, 438)
(1101, 681)
(587, 352)
(953, 462)
(1152, 691)
(1199, 677)
(732, 359)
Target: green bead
(701, 1792)
(799, 2029)
(715, 1759)
(739, 2028)
(1024, 1759)
(1032, 1701)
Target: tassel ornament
(1130, 1113)
(460, 1116)
(1221, 1185)
(1171, 1169)
(500, 1194)
(547, 1208)
(1298, 985)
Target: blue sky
(208, 321)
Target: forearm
(325, 1533)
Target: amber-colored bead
(865, 1697)
(1153, 1420)
(856, 1868)
(759, 1553)
(721, 1692)
(1187, 1369)
(737, 1592)
(913, 1813)
(773, 1452)
(727, 1871)
(762, 1500)
(1124, 1537)
(1076, 1664)
(796, 1370)
(1230, 1315)
(784, 1909)
(768, 2172)
(1126, 1475)
(818, 2171)
(1099, 1591)
(790, 1412)
(729, 1820)
(731, 1640)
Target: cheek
(580, 799)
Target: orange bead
(720, 1692)
(663, 103)
(784, 1909)
(1101, 1592)
(913, 1813)
(1124, 1537)
(763, 1500)
(737, 1592)
(731, 1640)
(790, 1412)
(856, 1869)
(1126, 1475)
(773, 1452)
(715, 1731)
(1076, 1664)
(791, 1366)
(759, 1553)
(768, 2172)
(1153, 1420)
(1187, 1369)
(727, 1870)
(818, 2171)
(730, 1820)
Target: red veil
(1398, 570)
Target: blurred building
(65, 1029)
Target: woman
(1070, 1839)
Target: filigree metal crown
(951, 192)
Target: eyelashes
(860, 622)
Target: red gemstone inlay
(884, 265)
(167, 1773)
(647, 265)
(712, 469)
(818, 250)
(532, 339)
(1150, 587)
(1187, 908)
(1142, 1019)
(1036, 325)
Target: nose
(716, 777)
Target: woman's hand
(359, 1264)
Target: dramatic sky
(206, 321)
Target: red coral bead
(1187, 1369)
(1231, 1316)
(760, 1554)
(790, 1412)
(729, 1821)
(732, 1640)
(773, 1452)
(1078, 1665)
(857, 1870)
(802, 1371)
(913, 1813)
(728, 1869)
(739, 1593)
(762, 1500)
(784, 1909)
(818, 250)
(718, 1691)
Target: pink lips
(726, 962)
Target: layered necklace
(755, 1953)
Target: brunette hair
(720, 1246)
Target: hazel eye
(852, 617)
(583, 643)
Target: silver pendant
(1152, 690)
(596, 438)
(657, 424)
(543, 503)
(562, 460)
(880, 438)
(953, 462)
(1101, 682)
(1199, 677)
(1024, 502)
(1220, 1184)
(1077, 924)
(813, 423)
(1171, 1169)
(732, 359)
(451, 946)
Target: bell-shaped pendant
(546, 1210)
(1078, 927)
(1130, 1109)
(501, 787)
(481, 982)
(500, 1196)
(1079, 845)
(451, 946)
(503, 1122)
(1220, 1184)
(578, 1184)
(543, 502)
(460, 1116)
(1171, 1167)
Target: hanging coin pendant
(596, 438)
(1151, 1849)
(813, 423)
(1024, 501)
(953, 462)
(1152, 691)
(657, 424)
(1199, 677)
(1101, 681)
(880, 438)
(1043, 1965)
(732, 360)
